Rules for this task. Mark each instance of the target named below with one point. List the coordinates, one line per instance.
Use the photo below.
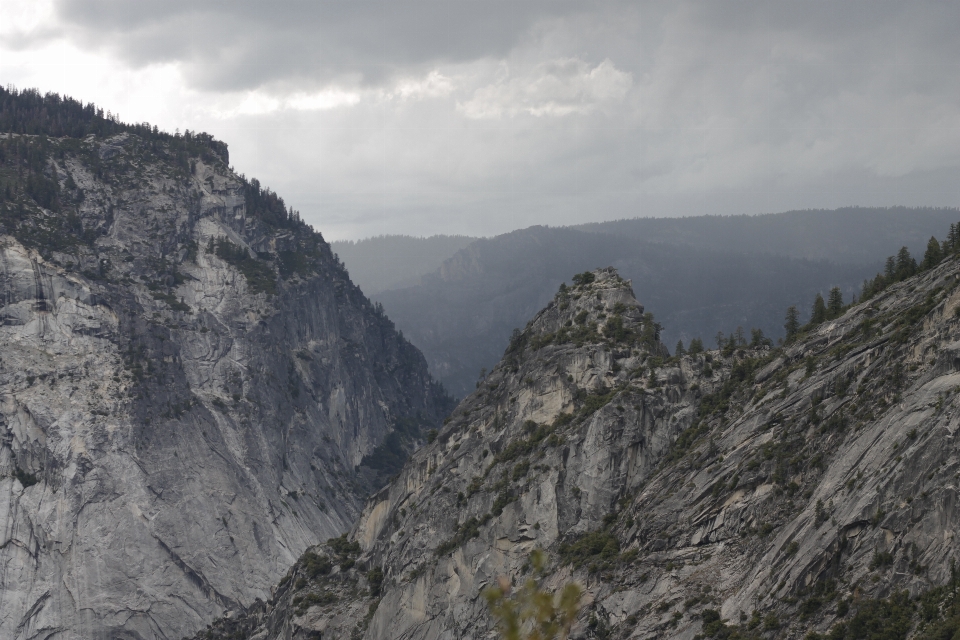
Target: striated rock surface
(746, 493)
(192, 391)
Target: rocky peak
(800, 492)
(594, 297)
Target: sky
(479, 117)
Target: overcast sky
(479, 117)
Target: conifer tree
(792, 323)
(730, 345)
(933, 255)
(757, 339)
(834, 303)
(696, 346)
(819, 311)
(953, 239)
(906, 265)
(890, 269)
(679, 352)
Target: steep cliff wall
(750, 493)
(191, 389)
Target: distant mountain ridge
(702, 274)
(392, 262)
(462, 315)
(853, 235)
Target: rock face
(746, 493)
(192, 391)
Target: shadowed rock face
(188, 390)
(769, 485)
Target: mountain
(797, 492)
(192, 390)
(393, 262)
(855, 235)
(461, 316)
(718, 273)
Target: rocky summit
(192, 391)
(807, 491)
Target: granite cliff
(752, 492)
(192, 391)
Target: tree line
(897, 268)
(28, 112)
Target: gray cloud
(480, 117)
(243, 44)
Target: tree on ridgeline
(791, 323)
(933, 255)
(696, 346)
(819, 312)
(890, 269)
(906, 265)
(834, 303)
(757, 339)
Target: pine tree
(757, 339)
(741, 339)
(890, 269)
(792, 323)
(933, 256)
(906, 265)
(696, 346)
(819, 311)
(834, 303)
(720, 339)
(730, 345)
(679, 352)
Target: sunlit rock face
(191, 393)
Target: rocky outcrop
(749, 492)
(192, 391)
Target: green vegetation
(696, 347)
(30, 113)
(533, 613)
(258, 274)
(389, 456)
(303, 602)
(315, 564)
(32, 207)
(268, 207)
(468, 530)
(597, 550)
(933, 615)
(375, 580)
(346, 551)
(593, 402)
(897, 268)
(536, 433)
(583, 279)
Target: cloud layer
(480, 117)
